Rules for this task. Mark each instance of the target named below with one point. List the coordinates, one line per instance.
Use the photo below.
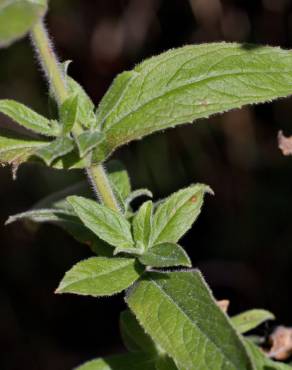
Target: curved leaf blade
(107, 224)
(87, 141)
(28, 118)
(68, 113)
(100, 276)
(56, 149)
(249, 320)
(142, 225)
(178, 311)
(192, 82)
(175, 216)
(85, 113)
(165, 255)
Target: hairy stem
(49, 61)
(101, 184)
(51, 66)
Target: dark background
(242, 241)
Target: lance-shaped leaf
(56, 149)
(165, 255)
(68, 113)
(100, 276)
(62, 218)
(108, 225)
(119, 179)
(85, 116)
(188, 83)
(261, 361)
(175, 216)
(249, 320)
(17, 17)
(178, 311)
(112, 97)
(133, 361)
(28, 118)
(87, 141)
(134, 336)
(142, 225)
(14, 149)
(40, 215)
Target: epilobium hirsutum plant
(173, 320)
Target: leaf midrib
(42, 122)
(183, 86)
(108, 225)
(168, 222)
(180, 309)
(128, 263)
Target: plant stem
(49, 61)
(50, 64)
(101, 184)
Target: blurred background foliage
(243, 240)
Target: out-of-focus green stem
(49, 61)
(56, 78)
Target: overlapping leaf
(165, 255)
(108, 225)
(178, 312)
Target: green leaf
(112, 97)
(175, 216)
(62, 218)
(119, 178)
(85, 116)
(16, 149)
(192, 82)
(179, 313)
(249, 320)
(70, 161)
(134, 336)
(68, 113)
(56, 149)
(17, 17)
(165, 255)
(107, 224)
(27, 118)
(261, 361)
(133, 361)
(87, 141)
(142, 225)
(100, 276)
(39, 215)
(165, 363)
